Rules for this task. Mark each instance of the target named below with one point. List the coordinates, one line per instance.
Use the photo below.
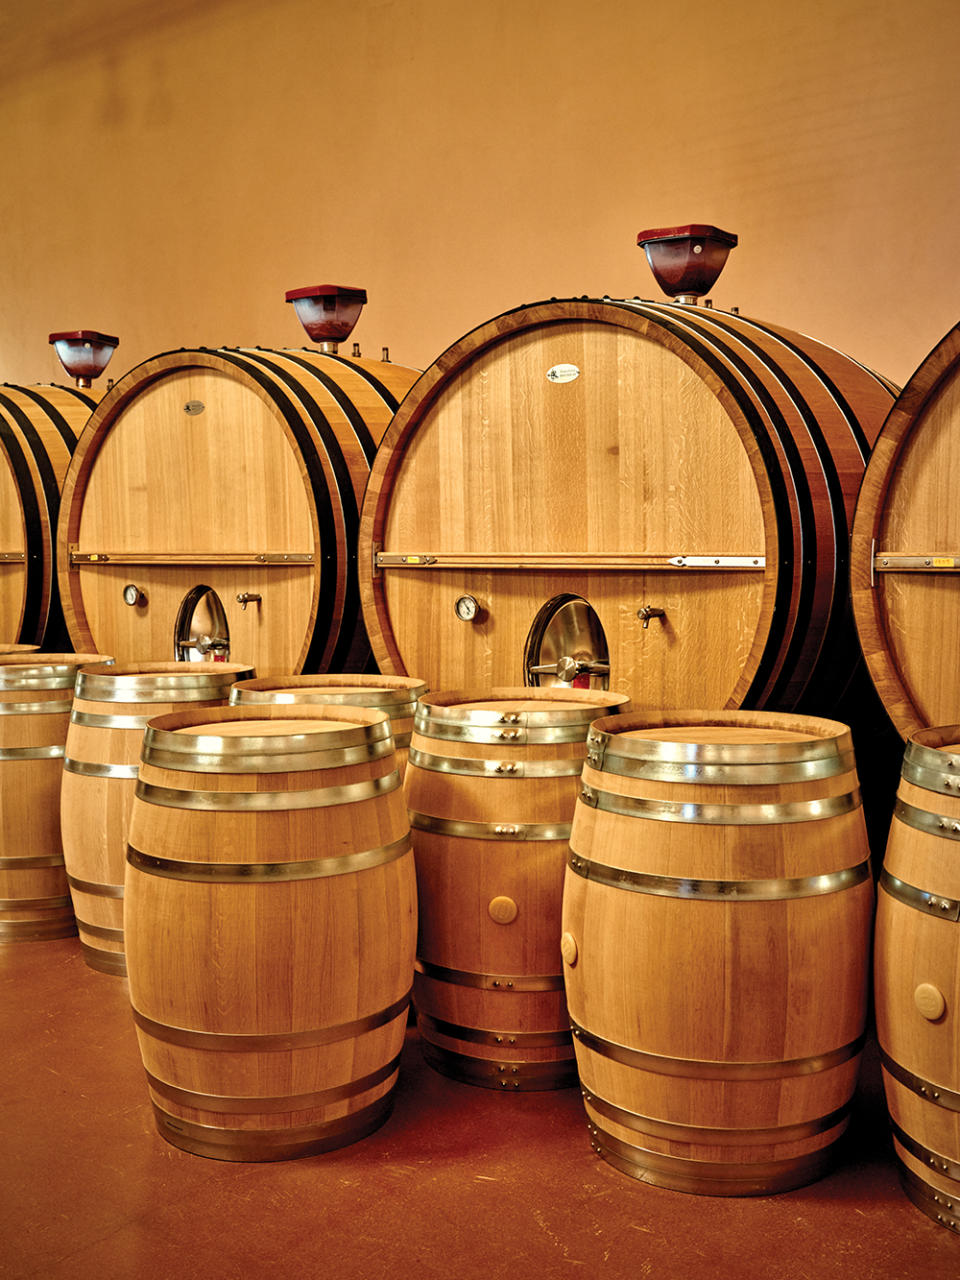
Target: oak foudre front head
(646, 496)
(39, 429)
(212, 504)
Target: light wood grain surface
(286, 957)
(907, 619)
(917, 986)
(208, 468)
(684, 433)
(490, 903)
(701, 979)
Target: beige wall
(170, 168)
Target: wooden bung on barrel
(491, 785)
(270, 922)
(111, 708)
(716, 930)
(212, 504)
(396, 695)
(905, 549)
(917, 973)
(36, 695)
(648, 495)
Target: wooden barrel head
(654, 498)
(905, 549)
(39, 427)
(213, 503)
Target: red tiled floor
(459, 1182)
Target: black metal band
(272, 1144)
(271, 1041)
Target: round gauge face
(467, 608)
(131, 594)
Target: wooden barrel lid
(392, 693)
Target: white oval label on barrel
(563, 373)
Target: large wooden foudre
(39, 427)
(649, 497)
(211, 508)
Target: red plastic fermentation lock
(84, 353)
(328, 312)
(686, 260)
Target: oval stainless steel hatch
(201, 632)
(567, 646)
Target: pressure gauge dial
(132, 594)
(467, 608)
